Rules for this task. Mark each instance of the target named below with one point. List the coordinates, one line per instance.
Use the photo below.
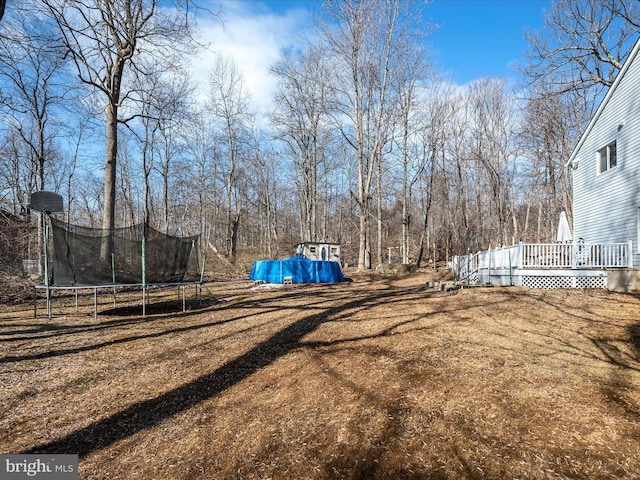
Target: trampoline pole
(46, 266)
(144, 263)
(144, 279)
(186, 269)
(204, 263)
(204, 258)
(113, 277)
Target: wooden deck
(546, 265)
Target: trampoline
(138, 256)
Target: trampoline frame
(199, 285)
(143, 285)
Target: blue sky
(475, 38)
(479, 38)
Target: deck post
(520, 255)
(510, 271)
(489, 282)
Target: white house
(606, 166)
(605, 251)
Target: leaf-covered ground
(378, 378)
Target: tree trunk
(379, 259)
(109, 212)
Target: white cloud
(253, 35)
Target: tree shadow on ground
(617, 387)
(146, 414)
(634, 335)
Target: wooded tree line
(366, 144)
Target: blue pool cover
(300, 269)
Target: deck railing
(545, 256)
(576, 255)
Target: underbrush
(15, 290)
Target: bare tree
(362, 43)
(88, 191)
(300, 116)
(172, 113)
(71, 172)
(583, 44)
(19, 178)
(202, 165)
(431, 134)
(411, 110)
(163, 101)
(32, 74)
(552, 126)
(265, 166)
(229, 105)
(103, 39)
(129, 197)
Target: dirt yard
(378, 378)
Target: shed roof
(319, 243)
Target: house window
(607, 157)
(638, 228)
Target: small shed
(319, 251)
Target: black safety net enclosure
(139, 255)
